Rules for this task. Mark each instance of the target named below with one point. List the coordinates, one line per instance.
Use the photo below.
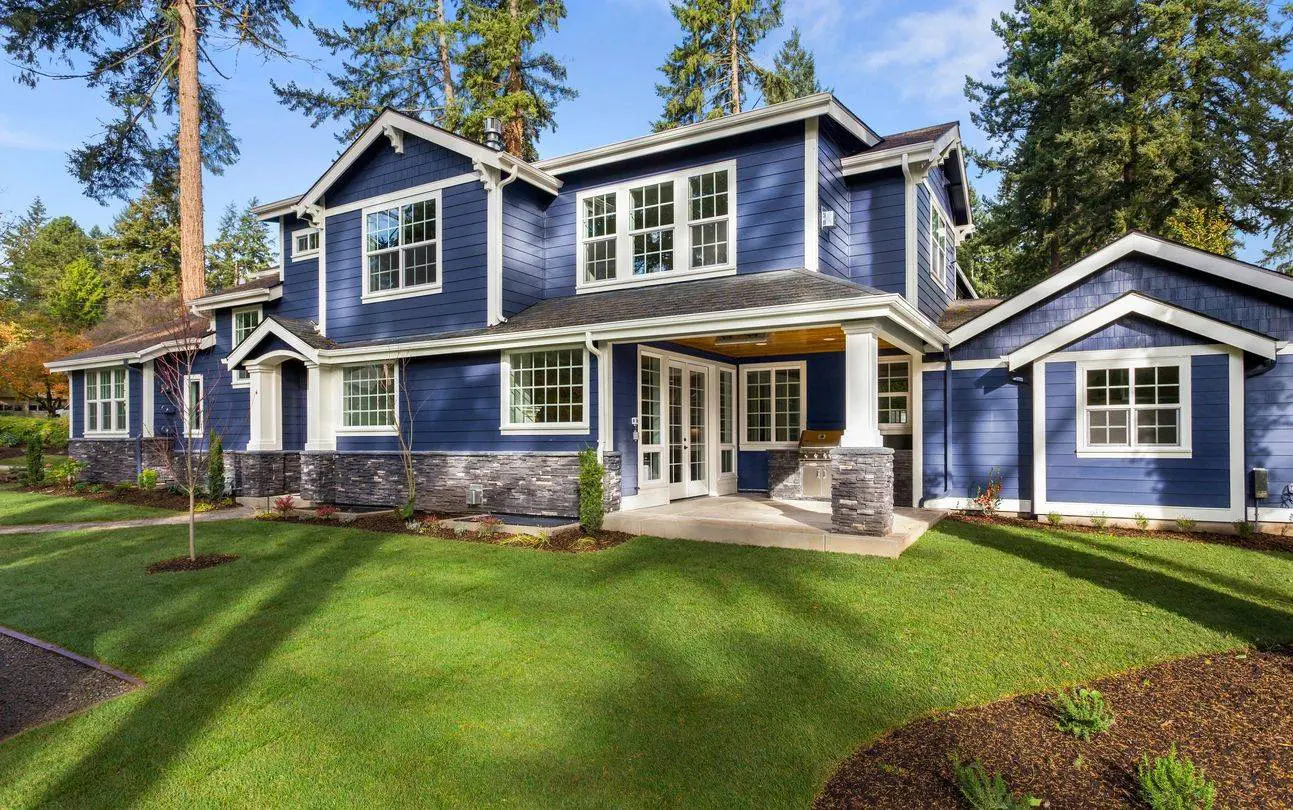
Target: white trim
(1238, 446)
(1133, 242)
(275, 209)
(269, 327)
(743, 373)
(812, 204)
(968, 504)
(1137, 304)
(1287, 348)
(341, 429)
(933, 152)
(949, 237)
(1269, 514)
(187, 407)
(965, 365)
(1149, 354)
(235, 298)
(308, 253)
(910, 220)
(761, 118)
(146, 407)
(1123, 511)
(166, 347)
(899, 428)
(1039, 437)
(1185, 422)
(508, 428)
(245, 381)
(323, 276)
(916, 417)
(969, 285)
(381, 200)
(367, 296)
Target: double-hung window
(194, 415)
(651, 229)
(773, 398)
(894, 384)
(1134, 408)
(305, 243)
(106, 401)
(368, 400)
(545, 390)
(402, 248)
(245, 322)
(937, 247)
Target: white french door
(687, 417)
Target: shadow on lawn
(123, 766)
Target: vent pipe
(494, 134)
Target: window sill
(545, 430)
(652, 279)
(900, 430)
(1135, 452)
(300, 257)
(401, 292)
(107, 434)
(366, 431)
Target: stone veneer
(108, 461)
(785, 474)
(862, 490)
(902, 471)
(526, 483)
(264, 474)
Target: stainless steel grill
(815, 461)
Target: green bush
(146, 480)
(215, 467)
(1172, 783)
(35, 462)
(1054, 518)
(16, 431)
(1142, 522)
(1244, 529)
(1082, 713)
(591, 508)
(1185, 524)
(67, 471)
(984, 792)
(1100, 520)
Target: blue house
(765, 303)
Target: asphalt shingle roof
(963, 310)
(190, 326)
(911, 136)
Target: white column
(266, 409)
(320, 408)
(861, 382)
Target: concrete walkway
(237, 513)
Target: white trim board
(237, 298)
(269, 326)
(968, 504)
(812, 202)
(1134, 242)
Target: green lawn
(332, 666)
(20, 508)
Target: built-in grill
(815, 461)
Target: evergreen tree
(1107, 115)
(1203, 229)
(14, 241)
(707, 74)
(39, 261)
(504, 76)
(142, 253)
(400, 56)
(241, 248)
(79, 299)
(793, 74)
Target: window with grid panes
(649, 427)
(400, 246)
(651, 227)
(773, 405)
(893, 393)
(1133, 406)
(105, 401)
(546, 387)
(368, 396)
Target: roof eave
(209, 303)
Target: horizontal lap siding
(524, 218)
(624, 396)
(294, 405)
(300, 281)
(76, 398)
(932, 299)
(833, 193)
(381, 170)
(770, 200)
(461, 303)
(228, 407)
(876, 231)
(1201, 481)
(991, 427)
(1268, 420)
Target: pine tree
(142, 253)
(707, 74)
(14, 242)
(793, 74)
(241, 248)
(79, 299)
(1107, 115)
(40, 258)
(504, 76)
(400, 56)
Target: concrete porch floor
(755, 520)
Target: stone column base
(259, 475)
(613, 463)
(862, 490)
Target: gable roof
(920, 149)
(915, 136)
(303, 336)
(1137, 242)
(137, 347)
(961, 311)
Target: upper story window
(773, 399)
(1134, 408)
(545, 391)
(894, 384)
(368, 398)
(644, 230)
(937, 246)
(245, 322)
(305, 243)
(402, 248)
(106, 401)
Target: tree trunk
(50, 404)
(446, 64)
(192, 248)
(734, 61)
(188, 457)
(514, 128)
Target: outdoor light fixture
(748, 339)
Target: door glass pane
(698, 399)
(675, 425)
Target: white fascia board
(126, 358)
(275, 209)
(1134, 242)
(269, 327)
(969, 285)
(691, 134)
(885, 158)
(239, 298)
(1137, 304)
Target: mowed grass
(23, 508)
(335, 667)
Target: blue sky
(897, 65)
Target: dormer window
(402, 248)
(655, 229)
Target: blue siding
(461, 303)
(1268, 421)
(834, 244)
(228, 407)
(76, 395)
(932, 298)
(1135, 332)
(876, 231)
(991, 426)
(752, 471)
(624, 396)
(300, 280)
(381, 170)
(294, 405)
(524, 225)
(770, 200)
(1199, 481)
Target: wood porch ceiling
(787, 341)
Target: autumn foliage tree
(22, 366)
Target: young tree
(147, 57)
(241, 248)
(793, 74)
(503, 75)
(706, 75)
(400, 56)
(1205, 230)
(142, 253)
(79, 299)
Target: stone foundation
(107, 461)
(264, 474)
(785, 474)
(902, 470)
(611, 482)
(525, 483)
(862, 490)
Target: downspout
(947, 418)
(603, 439)
(496, 306)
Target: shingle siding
(876, 231)
(524, 250)
(382, 170)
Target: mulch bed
(160, 498)
(1258, 541)
(39, 686)
(390, 523)
(1229, 713)
(185, 564)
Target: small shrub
(984, 792)
(405, 511)
(1173, 783)
(215, 467)
(1244, 529)
(1185, 524)
(1100, 520)
(1142, 522)
(326, 512)
(592, 510)
(585, 543)
(1054, 518)
(487, 527)
(284, 505)
(269, 514)
(203, 506)
(67, 471)
(80, 486)
(1082, 713)
(122, 487)
(988, 499)
(94, 489)
(523, 540)
(146, 480)
(34, 462)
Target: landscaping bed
(159, 498)
(1255, 541)
(1229, 713)
(39, 686)
(185, 564)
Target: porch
(757, 520)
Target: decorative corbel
(395, 136)
(314, 215)
(488, 174)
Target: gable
(380, 169)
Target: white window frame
(510, 428)
(661, 445)
(241, 379)
(298, 255)
(937, 252)
(743, 441)
(188, 406)
(402, 291)
(1132, 450)
(905, 427)
(682, 223)
(367, 430)
(123, 430)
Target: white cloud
(931, 52)
(15, 138)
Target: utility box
(1261, 483)
(476, 495)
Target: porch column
(861, 385)
(320, 407)
(862, 467)
(266, 409)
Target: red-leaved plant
(988, 499)
(284, 504)
(326, 512)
